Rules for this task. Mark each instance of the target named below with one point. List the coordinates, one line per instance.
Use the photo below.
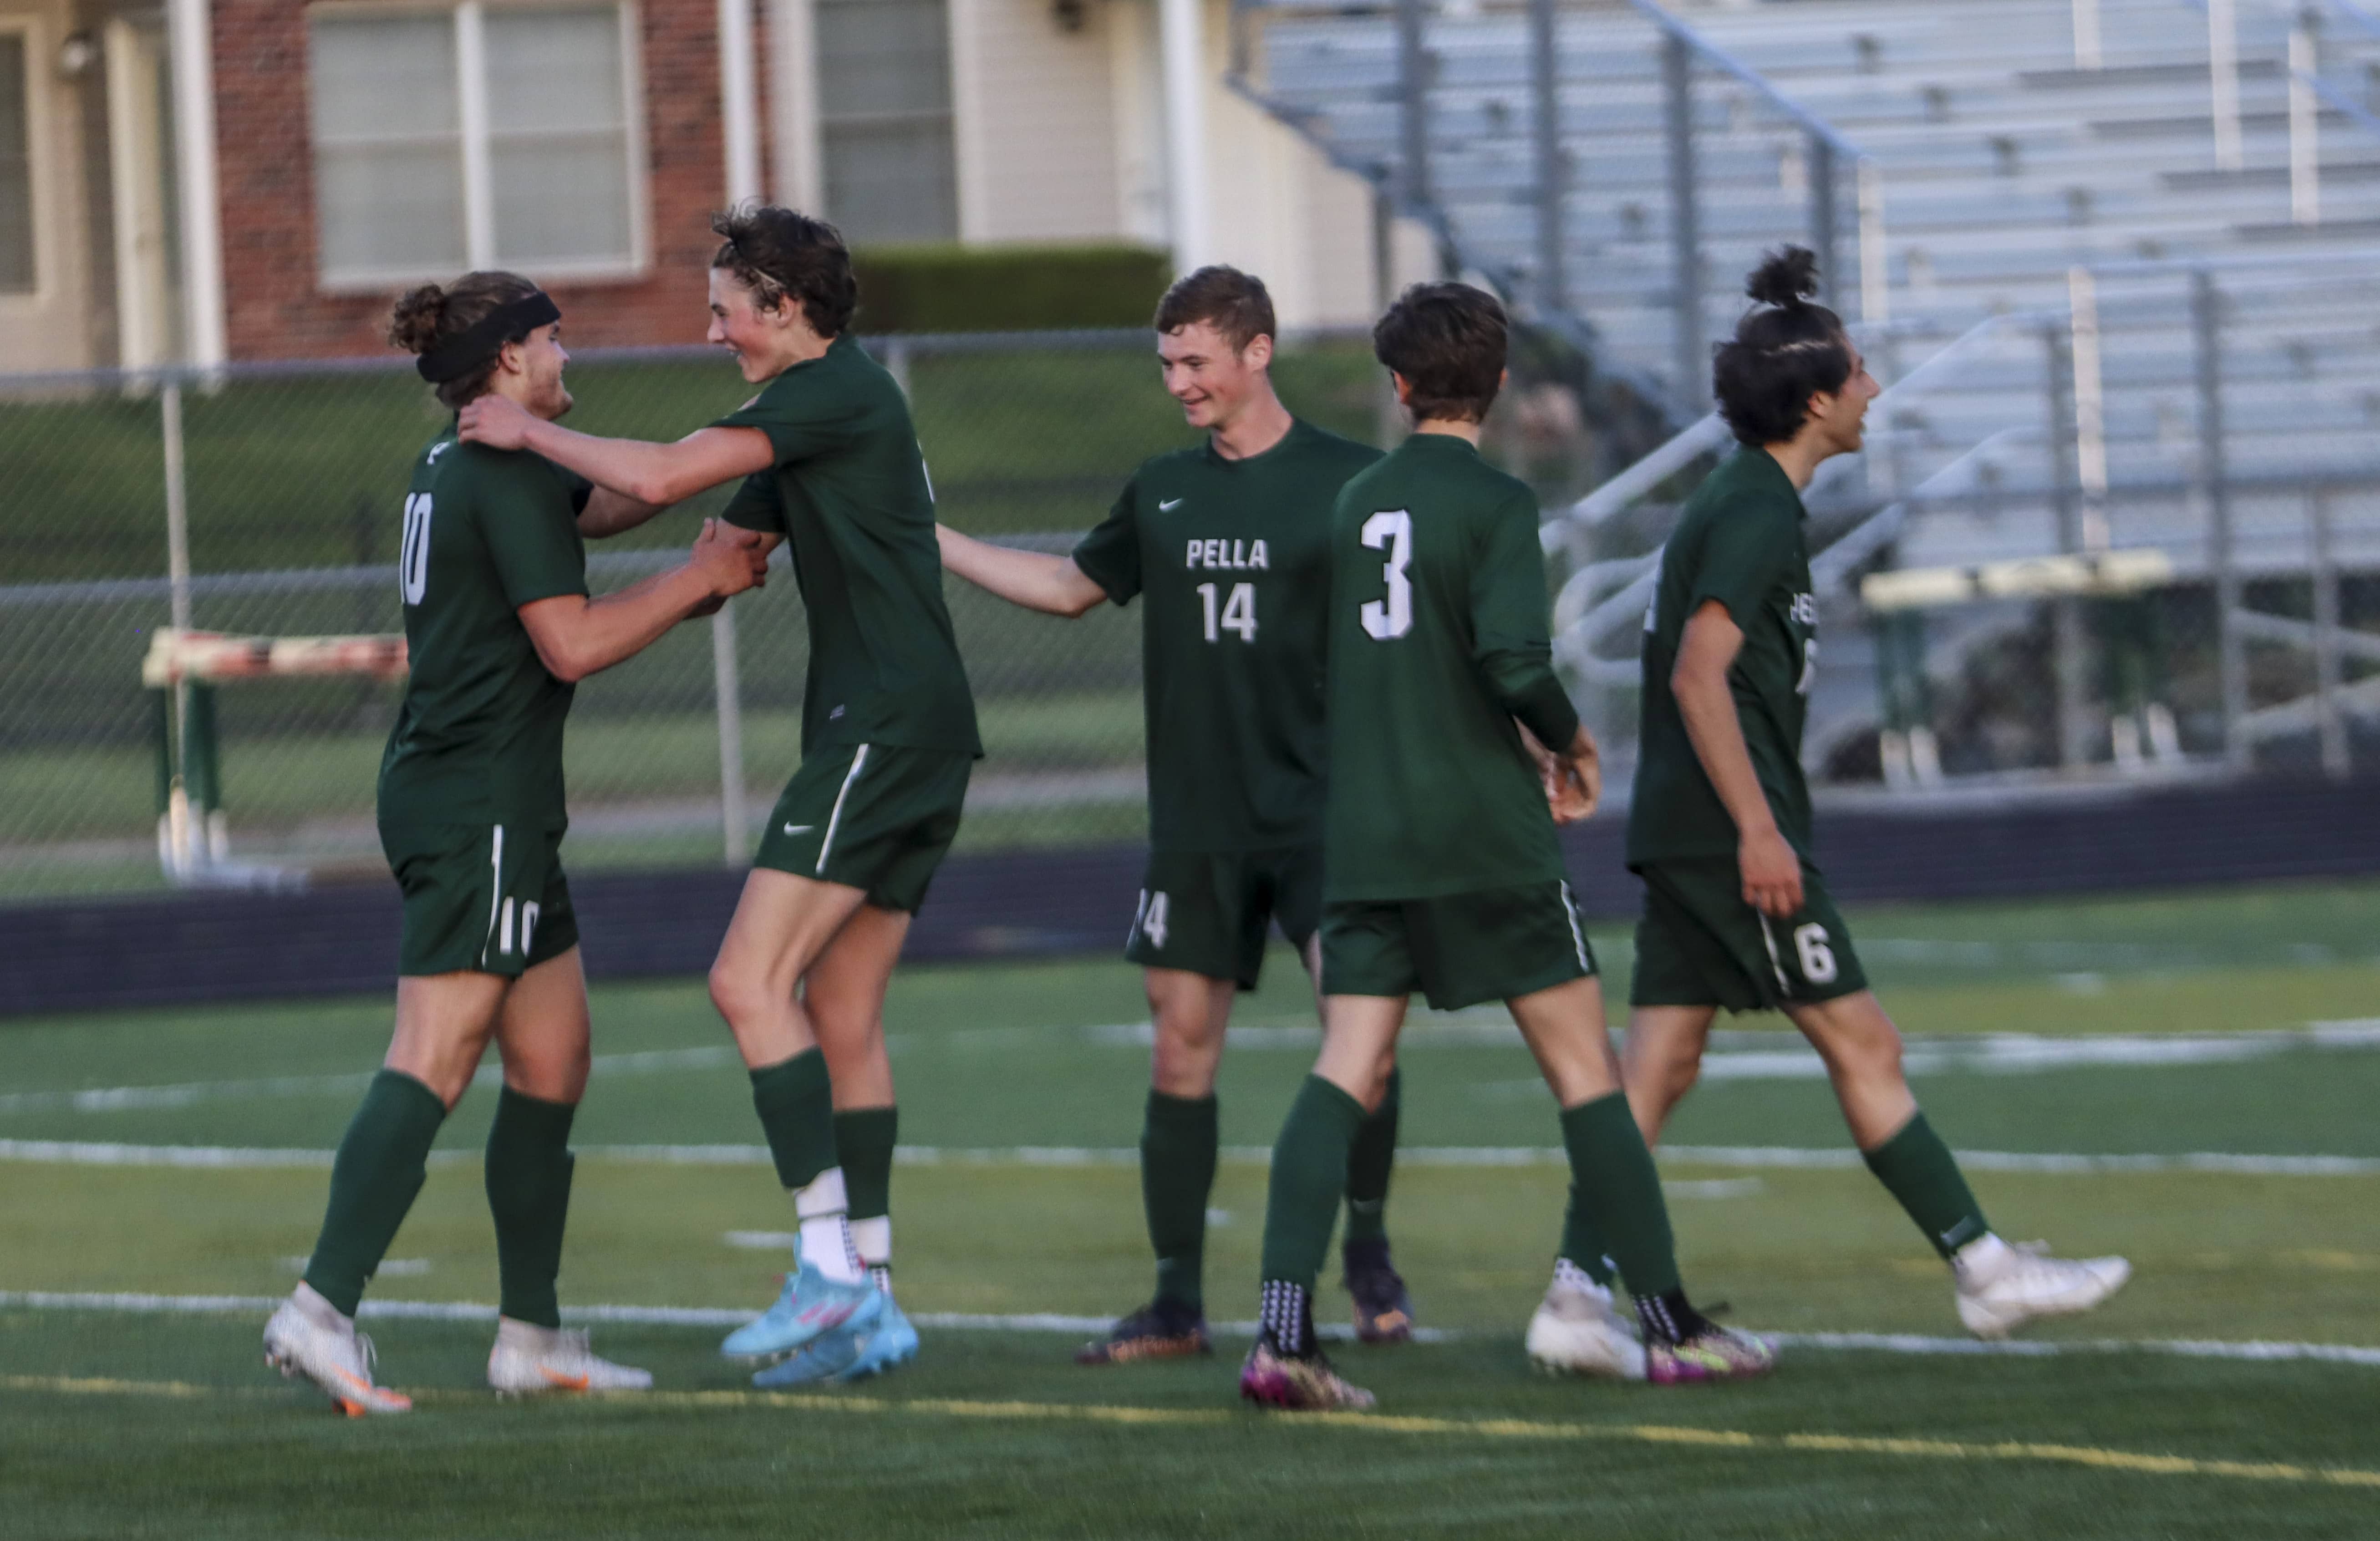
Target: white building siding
(1037, 139)
(51, 326)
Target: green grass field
(2188, 1012)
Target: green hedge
(1007, 289)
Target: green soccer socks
(797, 1109)
(1309, 1173)
(795, 1101)
(864, 1143)
(1582, 1246)
(1369, 1164)
(1918, 1169)
(1615, 1190)
(1177, 1173)
(383, 1159)
(864, 1140)
(1178, 1145)
(528, 1168)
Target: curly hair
(428, 315)
(779, 255)
(1785, 350)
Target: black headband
(473, 347)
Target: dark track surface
(337, 940)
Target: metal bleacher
(2151, 315)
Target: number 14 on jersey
(1238, 611)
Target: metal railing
(2265, 565)
(1408, 186)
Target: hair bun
(413, 325)
(1786, 276)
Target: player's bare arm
(577, 636)
(1036, 580)
(1772, 873)
(609, 513)
(658, 474)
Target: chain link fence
(2131, 541)
(293, 478)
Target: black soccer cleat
(1161, 1330)
(1384, 1312)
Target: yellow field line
(1375, 1422)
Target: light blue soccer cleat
(848, 1353)
(891, 1343)
(812, 1306)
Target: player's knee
(1868, 1053)
(1679, 1075)
(1183, 1059)
(1181, 1069)
(735, 994)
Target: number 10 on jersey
(1238, 613)
(413, 557)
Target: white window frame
(471, 126)
(20, 305)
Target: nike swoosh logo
(1168, 508)
(561, 1382)
(799, 828)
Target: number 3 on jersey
(1239, 612)
(413, 558)
(1387, 619)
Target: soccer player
(1230, 545)
(1441, 873)
(831, 465)
(1735, 913)
(500, 630)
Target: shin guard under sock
(1370, 1163)
(1612, 1179)
(1309, 1173)
(1918, 1169)
(528, 1168)
(796, 1107)
(1178, 1142)
(383, 1159)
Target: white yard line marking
(962, 1321)
(79, 1153)
(1736, 1055)
(119, 1099)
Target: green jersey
(1742, 541)
(1439, 623)
(850, 494)
(1233, 560)
(479, 736)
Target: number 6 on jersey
(1392, 530)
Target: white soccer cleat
(531, 1360)
(308, 1338)
(2000, 1287)
(1576, 1332)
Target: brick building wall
(277, 308)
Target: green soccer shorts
(1699, 943)
(875, 818)
(1458, 950)
(485, 897)
(1206, 911)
